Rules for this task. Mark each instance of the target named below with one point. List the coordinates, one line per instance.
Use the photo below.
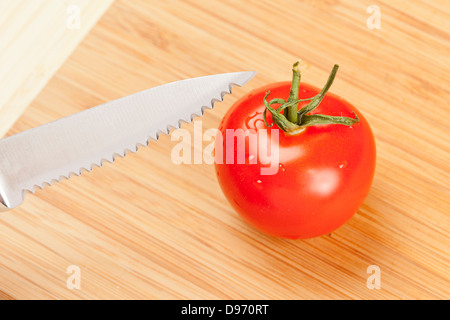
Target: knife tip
(244, 77)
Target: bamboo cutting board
(147, 228)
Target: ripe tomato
(324, 172)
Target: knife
(44, 155)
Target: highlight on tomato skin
(323, 174)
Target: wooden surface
(147, 228)
(36, 37)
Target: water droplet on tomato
(258, 184)
(343, 164)
(282, 168)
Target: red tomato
(324, 173)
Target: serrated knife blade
(42, 155)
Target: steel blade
(45, 154)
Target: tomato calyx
(293, 121)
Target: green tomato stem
(293, 95)
(295, 121)
(281, 121)
(319, 97)
(315, 119)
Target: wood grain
(147, 228)
(36, 37)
